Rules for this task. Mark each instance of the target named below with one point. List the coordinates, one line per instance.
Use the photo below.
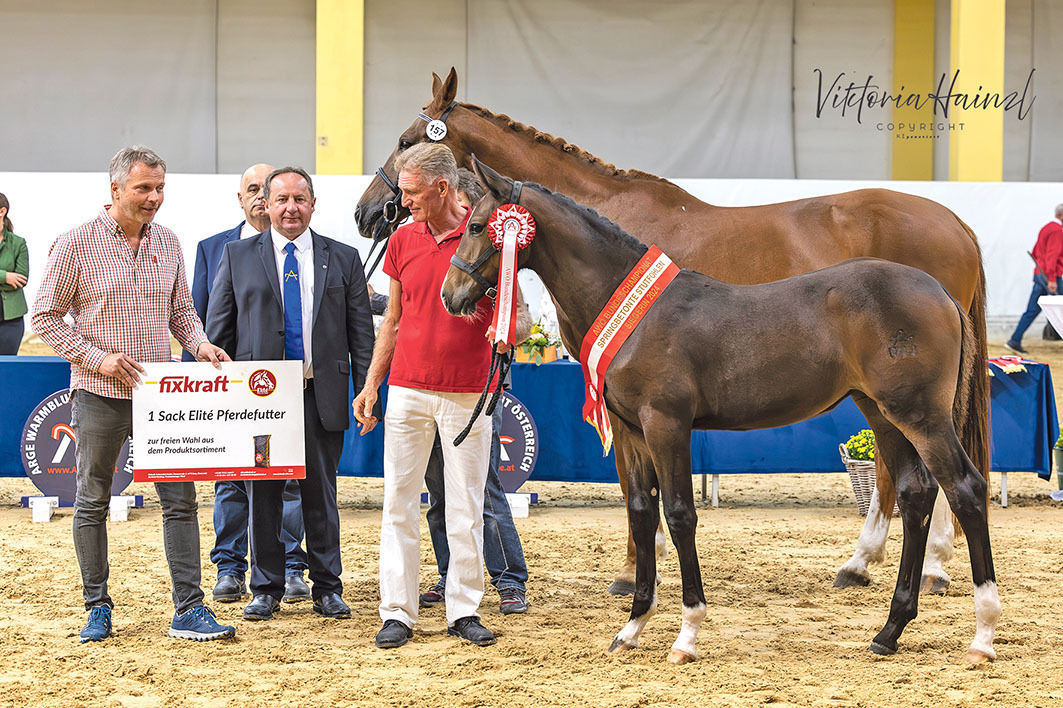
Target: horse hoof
(679, 658)
(622, 587)
(851, 579)
(977, 658)
(933, 585)
(881, 650)
(621, 645)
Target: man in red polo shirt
(1047, 276)
(438, 366)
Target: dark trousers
(11, 332)
(231, 513)
(321, 517)
(1033, 309)
(102, 425)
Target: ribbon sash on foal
(625, 309)
(511, 229)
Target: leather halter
(473, 269)
(391, 207)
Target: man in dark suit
(290, 293)
(231, 508)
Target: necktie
(293, 307)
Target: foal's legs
(966, 490)
(871, 545)
(669, 444)
(624, 583)
(916, 491)
(643, 512)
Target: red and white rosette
(511, 229)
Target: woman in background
(14, 271)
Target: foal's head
(474, 268)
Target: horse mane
(504, 121)
(609, 228)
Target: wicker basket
(862, 476)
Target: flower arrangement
(861, 446)
(537, 347)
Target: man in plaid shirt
(122, 279)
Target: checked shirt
(119, 303)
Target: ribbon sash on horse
(625, 309)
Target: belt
(308, 383)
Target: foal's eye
(475, 228)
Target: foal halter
(473, 269)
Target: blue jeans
(1040, 287)
(101, 426)
(231, 514)
(503, 554)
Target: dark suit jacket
(245, 316)
(208, 255)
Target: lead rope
(500, 363)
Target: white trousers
(410, 424)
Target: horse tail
(973, 424)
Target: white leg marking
(986, 612)
(660, 544)
(939, 543)
(692, 618)
(628, 637)
(871, 546)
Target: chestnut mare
(886, 334)
(744, 245)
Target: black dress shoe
(332, 606)
(392, 634)
(261, 607)
(229, 589)
(470, 629)
(295, 590)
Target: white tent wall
(689, 88)
(1006, 216)
(211, 85)
(831, 39)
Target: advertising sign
(48, 451)
(193, 422)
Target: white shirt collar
(303, 241)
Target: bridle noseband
(473, 269)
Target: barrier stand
(1004, 490)
(518, 504)
(42, 508)
(120, 506)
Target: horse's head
(474, 268)
(380, 210)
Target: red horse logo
(262, 382)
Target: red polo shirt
(434, 350)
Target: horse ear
(498, 185)
(450, 87)
(436, 83)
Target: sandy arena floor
(777, 633)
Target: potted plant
(539, 347)
(858, 454)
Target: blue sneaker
(199, 625)
(99, 625)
